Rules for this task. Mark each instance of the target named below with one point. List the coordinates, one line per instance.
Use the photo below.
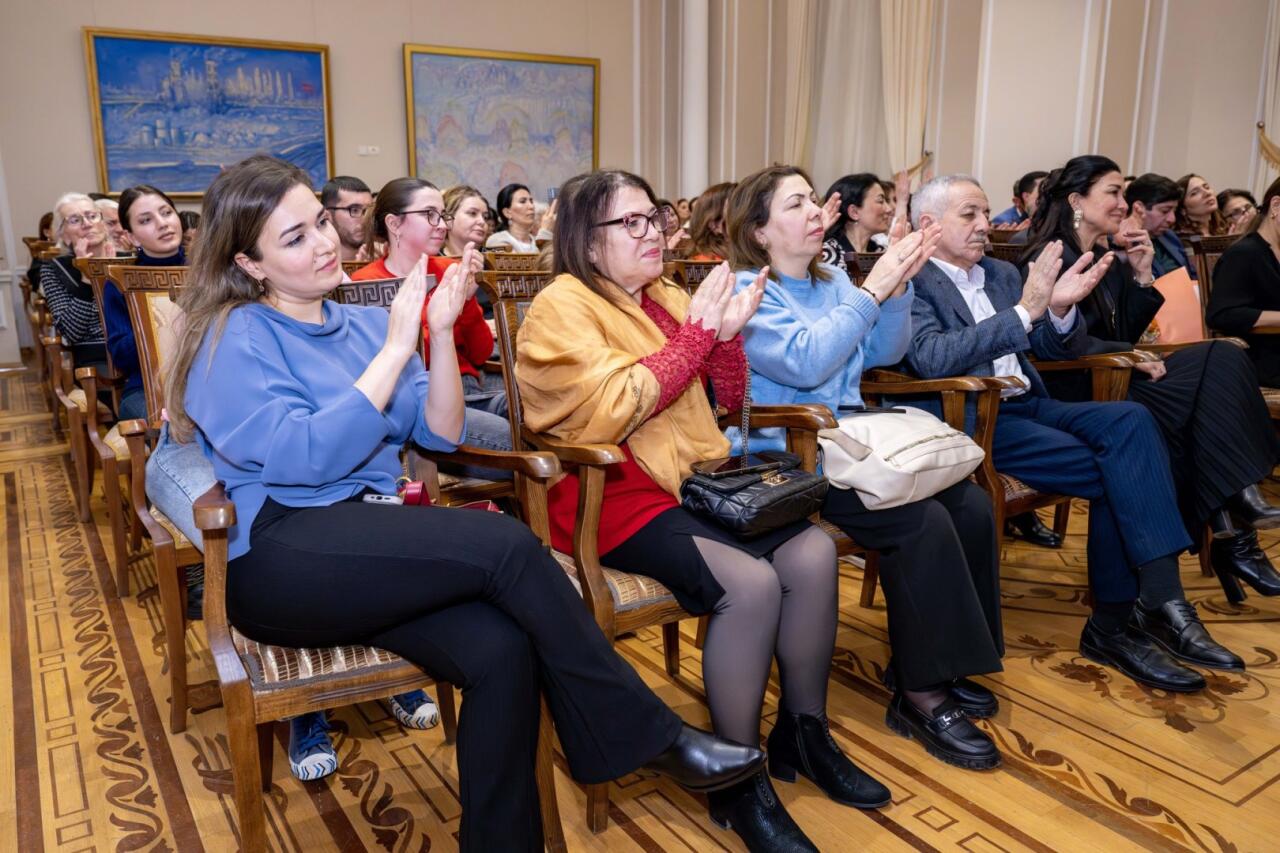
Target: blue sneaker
(311, 755)
(415, 710)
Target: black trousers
(940, 570)
(474, 599)
(1215, 424)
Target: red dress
(631, 497)
(471, 334)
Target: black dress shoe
(1029, 527)
(947, 734)
(700, 761)
(1250, 508)
(1176, 627)
(1240, 559)
(976, 701)
(752, 810)
(1138, 657)
(803, 744)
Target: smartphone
(867, 410)
(551, 194)
(732, 466)
(394, 500)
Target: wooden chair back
(690, 274)
(151, 294)
(35, 245)
(1002, 235)
(512, 261)
(350, 267)
(1207, 252)
(50, 253)
(95, 270)
(373, 292)
(510, 293)
(1009, 252)
(859, 264)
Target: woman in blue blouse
(303, 406)
(809, 342)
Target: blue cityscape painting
(490, 119)
(173, 111)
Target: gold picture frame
(529, 141)
(179, 115)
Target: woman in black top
(82, 234)
(1245, 299)
(1204, 397)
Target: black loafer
(1030, 528)
(1176, 627)
(1138, 657)
(947, 734)
(976, 701)
(700, 761)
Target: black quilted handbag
(754, 504)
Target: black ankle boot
(1240, 559)
(1250, 508)
(752, 809)
(803, 744)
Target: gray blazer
(945, 340)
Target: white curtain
(906, 29)
(1266, 170)
(846, 128)
(802, 59)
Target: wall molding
(1100, 87)
(1082, 79)
(1131, 164)
(1155, 86)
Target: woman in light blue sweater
(303, 405)
(809, 342)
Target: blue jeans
(133, 404)
(489, 432)
(177, 474)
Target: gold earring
(1076, 219)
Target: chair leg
(1061, 517)
(700, 639)
(79, 456)
(870, 575)
(246, 766)
(266, 751)
(168, 578)
(115, 515)
(598, 807)
(448, 710)
(1206, 564)
(671, 647)
(552, 828)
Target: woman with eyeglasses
(1238, 208)
(81, 234)
(612, 352)
(409, 218)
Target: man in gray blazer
(973, 316)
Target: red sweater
(631, 497)
(471, 333)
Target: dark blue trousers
(1110, 454)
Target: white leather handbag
(894, 457)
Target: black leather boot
(1241, 559)
(1176, 627)
(1029, 527)
(752, 810)
(1250, 508)
(700, 761)
(1220, 525)
(803, 744)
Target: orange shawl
(577, 364)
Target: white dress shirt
(972, 286)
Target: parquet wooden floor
(1092, 762)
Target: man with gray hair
(973, 315)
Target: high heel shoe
(1240, 559)
(803, 744)
(1250, 508)
(1220, 525)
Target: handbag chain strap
(746, 406)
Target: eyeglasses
(76, 219)
(637, 224)
(434, 217)
(1247, 210)
(355, 211)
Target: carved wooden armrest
(807, 417)
(1110, 360)
(576, 454)
(539, 464)
(492, 366)
(1165, 349)
(214, 510)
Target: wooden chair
(50, 361)
(619, 602)
(511, 261)
(1010, 252)
(690, 274)
(859, 264)
(1207, 251)
(1002, 235)
(262, 684)
(107, 447)
(350, 267)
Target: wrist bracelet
(870, 293)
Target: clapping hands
(718, 308)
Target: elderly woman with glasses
(612, 352)
(409, 218)
(81, 233)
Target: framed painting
(490, 118)
(174, 110)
